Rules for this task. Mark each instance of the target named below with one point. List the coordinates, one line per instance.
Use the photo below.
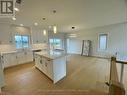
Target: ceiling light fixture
(21, 24)
(44, 32)
(16, 9)
(55, 29)
(36, 24)
(50, 26)
(73, 27)
(13, 18)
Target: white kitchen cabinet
(9, 59)
(38, 36)
(44, 64)
(1, 74)
(29, 56)
(20, 58)
(38, 62)
(49, 68)
(25, 57)
(51, 64)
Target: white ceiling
(82, 14)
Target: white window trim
(22, 46)
(103, 50)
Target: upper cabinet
(8, 32)
(38, 36)
(5, 34)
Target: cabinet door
(9, 59)
(37, 61)
(21, 57)
(6, 60)
(49, 68)
(1, 76)
(14, 59)
(29, 56)
(43, 65)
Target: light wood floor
(85, 76)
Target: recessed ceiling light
(16, 9)
(50, 26)
(35, 23)
(44, 32)
(14, 18)
(73, 27)
(55, 29)
(44, 18)
(21, 24)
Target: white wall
(117, 40)
(7, 33)
(74, 46)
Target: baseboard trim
(90, 56)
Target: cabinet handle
(48, 60)
(41, 61)
(45, 64)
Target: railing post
(121, 76)
(115, 87)
(113, 59)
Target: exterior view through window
(103, 41)
(55, 43)
(21, 41)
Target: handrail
(115, 86)
(121, 62)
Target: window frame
(54, 43)
(22, 47)
(99, 36)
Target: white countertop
(51, 54)
(7, 52)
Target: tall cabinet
(1, 75)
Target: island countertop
(51, 54)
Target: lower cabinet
(44, 65)
(55, 69)
(11, 59)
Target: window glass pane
(18, 41)
(25, 41)
(103, 41)
(55, 43)
(51, 43)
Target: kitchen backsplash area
(9, 47)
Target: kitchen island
(52, 64)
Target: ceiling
(82, 14)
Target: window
(55, 43)
(21, 41)
(103, 41)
